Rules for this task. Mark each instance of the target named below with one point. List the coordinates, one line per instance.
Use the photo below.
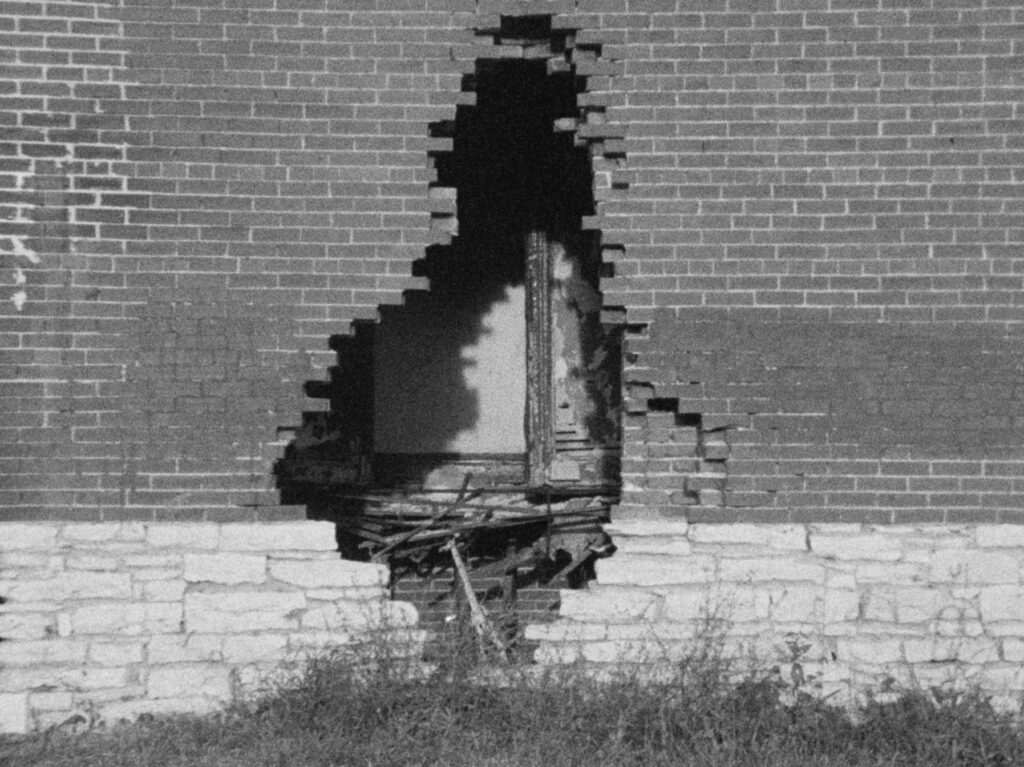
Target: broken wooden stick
(477, 617)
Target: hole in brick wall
(489, 405)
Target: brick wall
(197, 198)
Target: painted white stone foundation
(109, 620)
(854, 605)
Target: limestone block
(226, 568)
(958, 619)
(690, 603)
(1002, 603)
(271, 536)
(938, 649)
(68, 586)
(199, 535)
(14, 713)
(626, 651)
(557, 654)
(14, 561)
(1013, 649)
(42, 651)
(354, 594)
(676, 546)
(344, 614)
(27, 625)
(51, 701)
(796, 604)
(654, 528)
(890, 572)
(611, 604)
(1001, 677)
(840, 605)
(787, 537)
(565, 632)
(179, 680)
(127, 618)
(107, 653)
(336, 573)
(868, 650)
(241, 610)
(974, 566)
(106, 559)
(130, 710)
(168, 590)
(871, 547)
(28, 535)
(184, 648)
(95, 532)
(1000, 536)
(653, 570)
(154, 564)
(771, 569)
(918, 605)
(250, 648)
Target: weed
(341, 711)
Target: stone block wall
(108, 620)
(854, 605)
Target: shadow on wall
(445, 374)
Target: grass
(336, 713)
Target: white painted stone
(14, 713)
(1002, 603)
(198, 535)
(868, 546)
(1000, 536)
(184, 648)
(613, 604)
(353, 594)
(94, 532)
(330, 573)
(254, 647)
(648, 528)
(241, 610)
(918, 605)
(42, 651)
(225, 568)
(28, 535)
(308, 536)
(178, 680)
(127, 618)
(51, 701)
(771, 569)
(13, 562)
(788, 537)
(653, 570)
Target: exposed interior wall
(439, 389)
(106, 621)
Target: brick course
(795, 196)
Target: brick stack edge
(813, 219)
